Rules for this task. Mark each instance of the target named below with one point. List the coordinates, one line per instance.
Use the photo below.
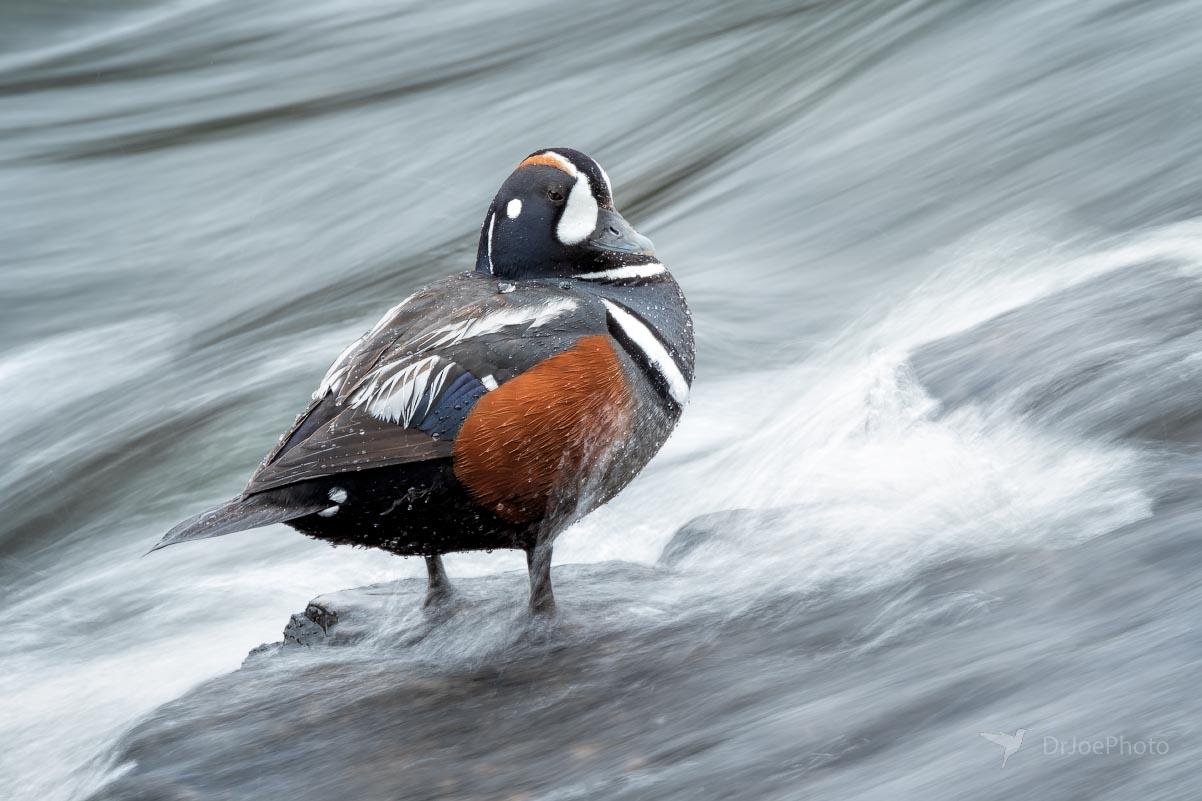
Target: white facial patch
(513, 208)
(661, 361)
(579, 215)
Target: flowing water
(945, 261)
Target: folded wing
(401, 392)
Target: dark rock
(311, 626)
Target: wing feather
(400, 392)
(350, 442)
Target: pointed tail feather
(237, 514)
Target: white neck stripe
(653, 349)
(625, 273)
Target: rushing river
(945, 262)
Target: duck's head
(555, 216)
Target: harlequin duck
(493, 408)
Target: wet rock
(726, 530)
(304, 628)
(1112, 356)
(660, 682)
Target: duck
(494, 408)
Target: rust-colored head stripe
(550, 159)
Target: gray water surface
(945, 261)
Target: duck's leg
(538, 562)
(439, 587)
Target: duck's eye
(555, 196)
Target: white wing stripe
(653, 349)
(395, 398)
(436, 386)
(332, 381)
(337, 372)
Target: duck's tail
(236, 514)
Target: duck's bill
(615, 234)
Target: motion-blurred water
(945, 260)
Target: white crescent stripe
(653, 349)
(627, 272)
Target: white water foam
(882, 485)
(846, 436)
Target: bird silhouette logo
(1010, 743)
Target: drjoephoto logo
(1110, 745)
(1105, 746)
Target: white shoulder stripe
(652, 348)
(394, 389)
(532, 316)
(625, 273)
